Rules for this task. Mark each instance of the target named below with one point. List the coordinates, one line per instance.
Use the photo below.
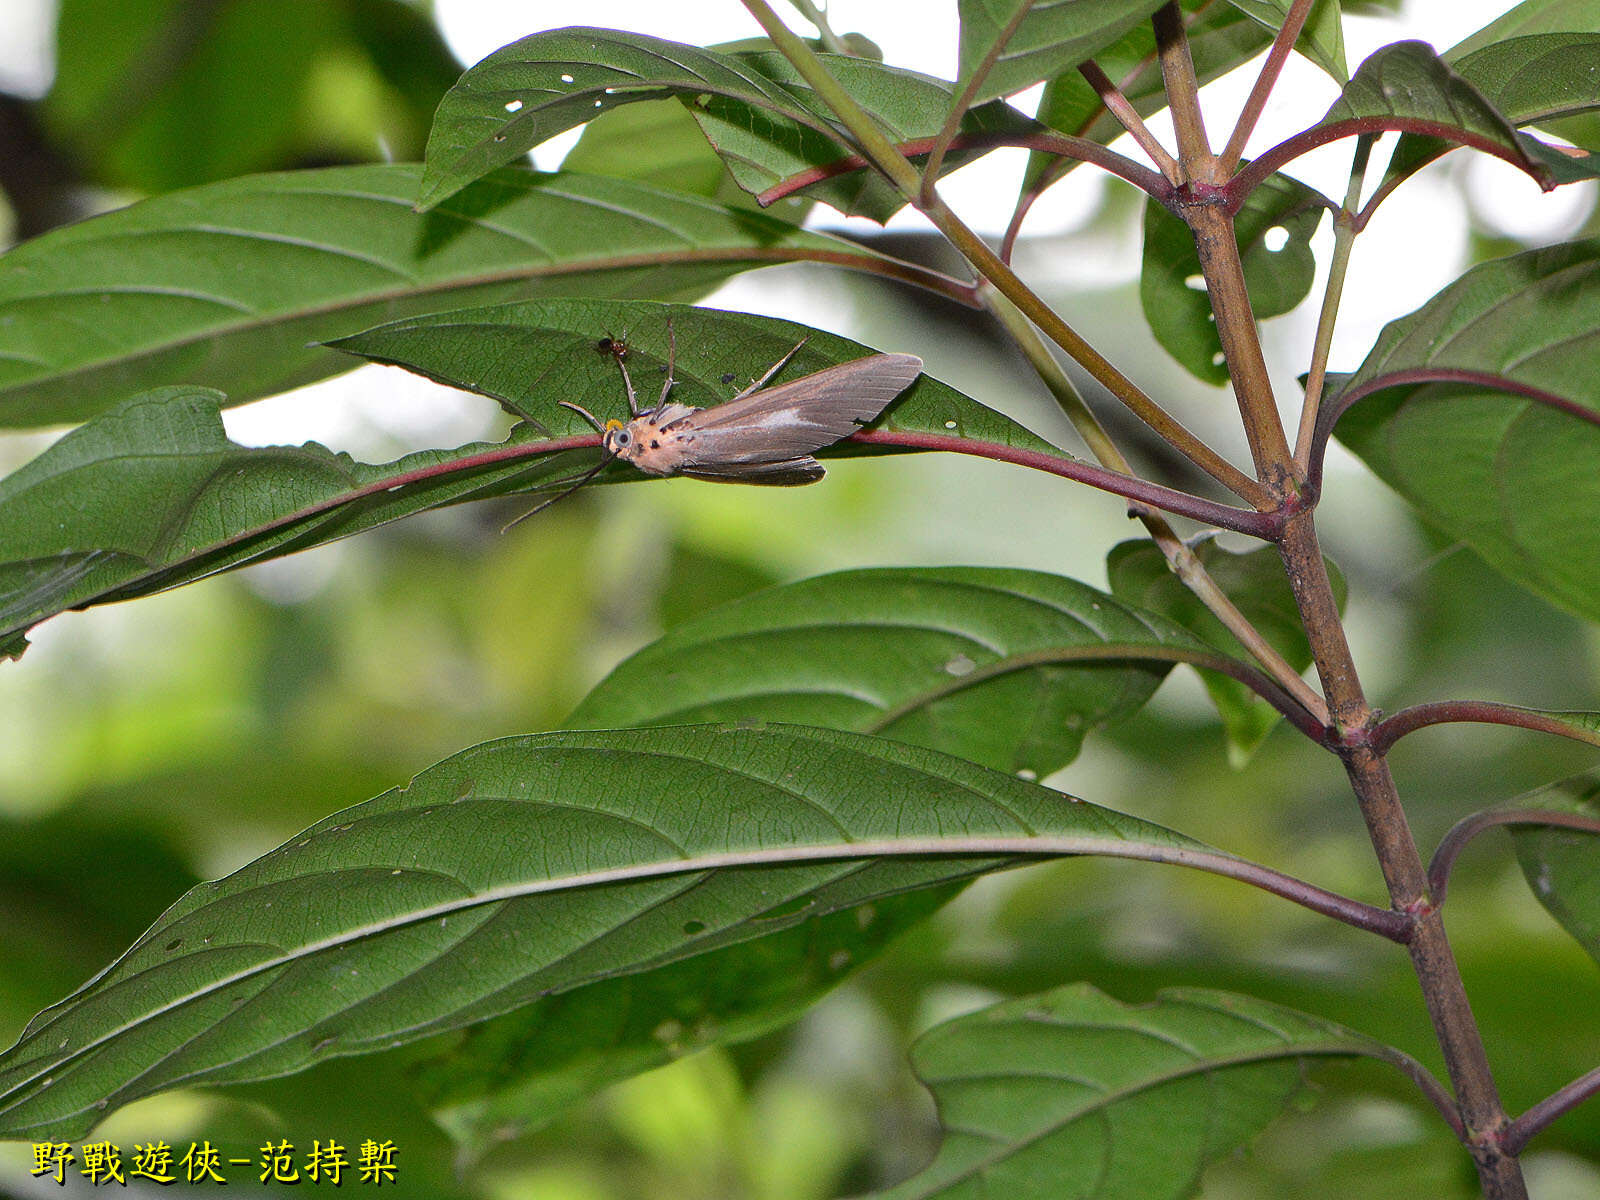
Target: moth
(763, 435)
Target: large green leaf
(1562, 866)
(1000, 666)
(225, 285)
(519, 869)
(520, 1071)
(1482, 408)
(1053, 37)
(1531, 17)
(757, 112)
(153, 495)
(531, 354)
(1406, 86)
(1071, 1094)
(1274, 228)
(1542, 79)
(546, 83)
(1255, 581)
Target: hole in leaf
(1027, 773)
(566, 79)
(1218, 359)
(1195, 283)
(1275, 239)
(174, 943)
(513, 105)
(960, 665)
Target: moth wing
(793, 419)
(791, 472)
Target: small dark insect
(617, 347)
(763, 435)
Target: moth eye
(622, 437)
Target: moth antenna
(585, 414)
(544, 504)
(757, 384)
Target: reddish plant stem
(1483, 1119)
(1223, 270)
(1464, 830)
(1183, 93)
(1063, 145)
(1258, 169)
(1520, 1131)
(1482, 1116)
(1263, 525)
(1128, 117)
(1484, 712)
(1200, 206)
(1256, 101)
(1330, 413)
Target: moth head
(619, 439)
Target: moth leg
(627, 382)
(585, 414)
(672, 363)
(757, 384)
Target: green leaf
(1281, 213)
(544, 84)
(1407, 86)
(1481, 408)
(225, 285)
(1055, 36)
(1069, 1093)
(522, 1070)
(759, 115)
(1255, 581)
(1544, 79)
(1531, 17)
(1562, 866)
(1221, 38)
(153, 495)
(764, 148)
(1322, 38)
(987, 663)
(531, 355)
(519, 869)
